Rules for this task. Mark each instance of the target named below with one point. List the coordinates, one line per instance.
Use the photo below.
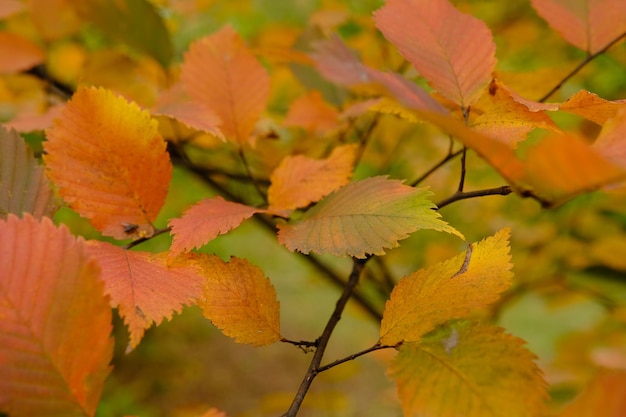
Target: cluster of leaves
(110, 151)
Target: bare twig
(377, 346)
(141, 240)
(450, 156)
(580, 66)
(322, 342)
(463, 195)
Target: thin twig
(463, 170)
(141, 240)
(255, 184)
(464, 195)
(325, 337)
(377, 346)
(451, 155)
(580, 66)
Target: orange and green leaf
(145, 287)
(205, 221)
(240, 300)
(448, 290)
(471, 370)
(454, 51)
(55, 322)
(23, 186)
(300, 180)
(363, 217)
(109, 162)
(220, 72)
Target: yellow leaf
(469, 370)
(299, 180)
(240, 300)
(109, 162)
(448, 290)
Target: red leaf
(220, 72)
(144, 286)
(205, 221)
(55, 322)
(312, 113)
(453, 51)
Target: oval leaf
(220, 72)
(109, 162)
(145, 287)
(55, 322)
(364, 217)
(487, 372)
(448, 290)
(454, 51)
(240, 300)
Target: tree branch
(581, 66)
(451, 155)
(377, 346)
(463, 195)
(322, 342)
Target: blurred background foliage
(569, 296)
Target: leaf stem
(377, 346)
(464, 195)
(322, 342)
(580, 66)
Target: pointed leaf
(18, 53)
(312, 113)
(406, 92)
(23, 185)
(205, 221)
(454, 51)
(448, 290)
(469, 370)
(587, 24)
(299, 180)
(145, 287)
(109, 162)
(605, 396)
(363, 217)
(592, 107)
(611, 142)
(55, 323)
(120, 21)
(220, 72)
(240, 300)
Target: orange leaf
(55, 323)
(240, 300)
(448, 290)
(23, 185)
(605, 396)
(205, 221)
(145, 287)
(469, 370)
(611, 141)
(312, 113)
(18, 53)
(10, 7)
(54, 19)
(592, 107)
(213, 412)
(220, 72)
(109, 162)
(453, 51)
(363, 217)
(587, 24)
(299, 180)
(29, 121)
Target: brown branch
(322, 342)
(377, 346)
(141, 240)
(463, 195)
(451, 155)
(581, 66)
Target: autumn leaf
(120, 21)
(455, 52)
(605, 396)
(10, 7)
(55, 322)
(611, 141)
(448, 290)
(220, 72)
(364, 217)
(300, 180)
(487, 372)
(18, 53)
(54, 19)
(109, 162)
(145, 287)
(205, 221)
(312, 113)
(23, 186)
(587, 24)
(240, 300)
(592, 107)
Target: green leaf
(469, 370)
(134, 22)
(364, 217)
